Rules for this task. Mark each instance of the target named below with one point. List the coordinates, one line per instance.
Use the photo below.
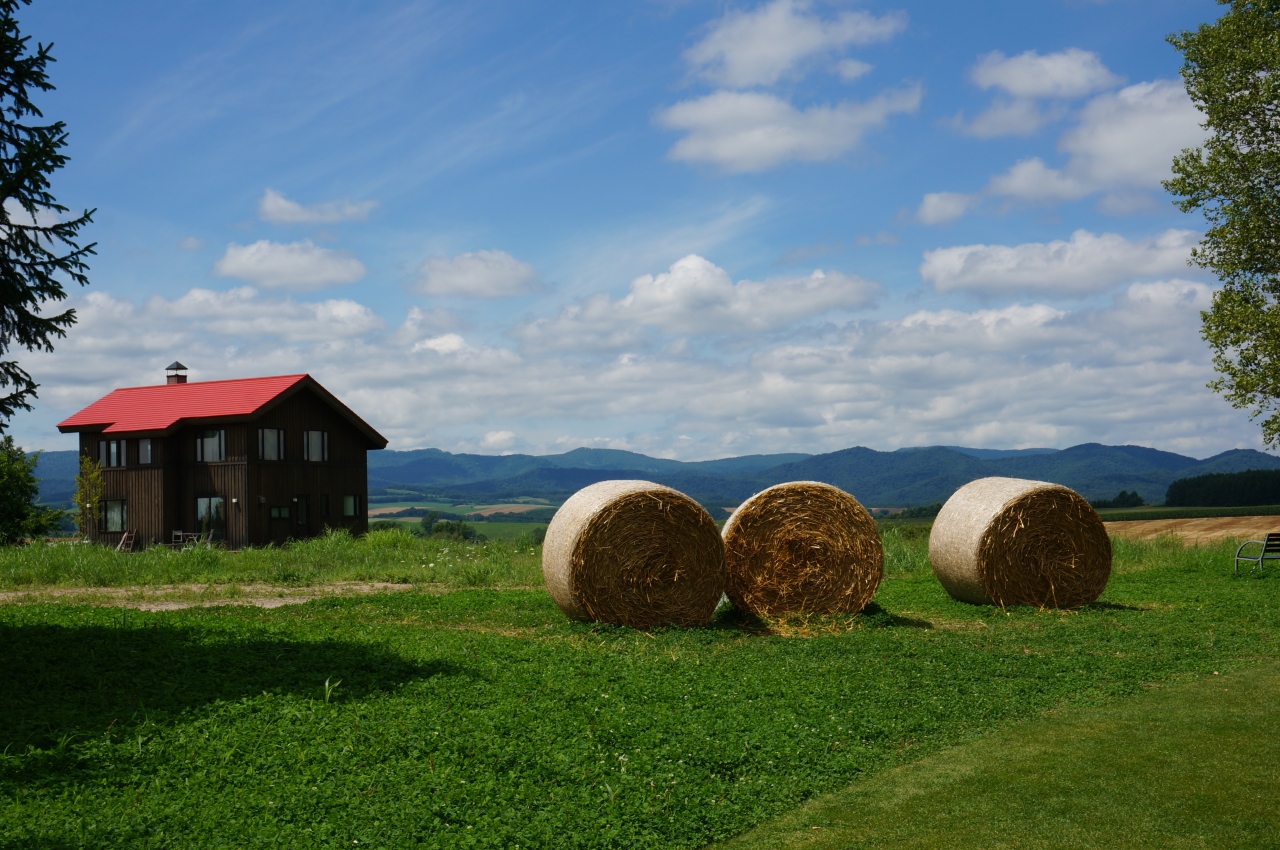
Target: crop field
(482, 718)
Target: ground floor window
(280, 512)
(324, 505)
(351, 506)
(211, 515)
(114, 515)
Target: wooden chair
(1270, 552)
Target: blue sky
(691, 229)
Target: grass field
(481, 718)
(506, 531)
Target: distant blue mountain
(906, 477)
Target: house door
(281, 523)
(302, 517)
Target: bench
(1270, 552)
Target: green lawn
(1186, 767)
(482, 718)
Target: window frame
(122, 515)
(218, 531)
(267, 436)
(308, 454)
(354, 500)
(209, 434)
(150, 451)
(111, 453)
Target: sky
(689, 229)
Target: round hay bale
(634, 553)
(802, 547)
(1007, 541)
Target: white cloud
(498, 440)
(1132, 371)
(190, 243)
(277, 209)
(300, 266)
(478, 274)
(1120, 148)
(1122, 141)
(1086, 264)
(941, 207)
(695, 296)
(1069, 73)
(244, 312)
(752, 131)
(758, 47)
(1009, 118)
(852, 69)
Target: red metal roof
(162, 406)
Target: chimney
(174, 373)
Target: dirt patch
(173, 597)
(1193, 531)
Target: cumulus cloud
(300, 266)
(1025, 374)
(277, 209)
(478, 274)
(1119, 149)
(244, 312)
(695, 296)
(1070, 73)
(759, 46)
(941, 207)
(752, 131)
(1085, 264)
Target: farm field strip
(1194, 531)
(483, 718)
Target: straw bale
(802, 547)
(1008, 541)
(634, 553)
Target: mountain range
(902, 478)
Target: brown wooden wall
(161, 497)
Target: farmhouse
(249, 462)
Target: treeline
(1226, 490)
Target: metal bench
(1270, 552)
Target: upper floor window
(211, 446)
(351, 506)
(271, 443)
(144, 451)
(315, 445)
(111, 453)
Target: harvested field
(173, 597)
(1192, 531)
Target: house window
(114, 515)
(271, 443)
(211, 446)
(351, 506)
(111, 453)
(315, 445)
(281, 512)
(324, 505)
(211, 516)
(144, 451)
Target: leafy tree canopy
(1232, 72)
(20, 515)
(38, 251)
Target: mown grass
(386, 556)
(1188, 767)
(483, 719)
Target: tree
(88, 496)
(21, 515)
(37, 251)
(1231, 69)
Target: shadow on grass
(62, 683)
(731, 619)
